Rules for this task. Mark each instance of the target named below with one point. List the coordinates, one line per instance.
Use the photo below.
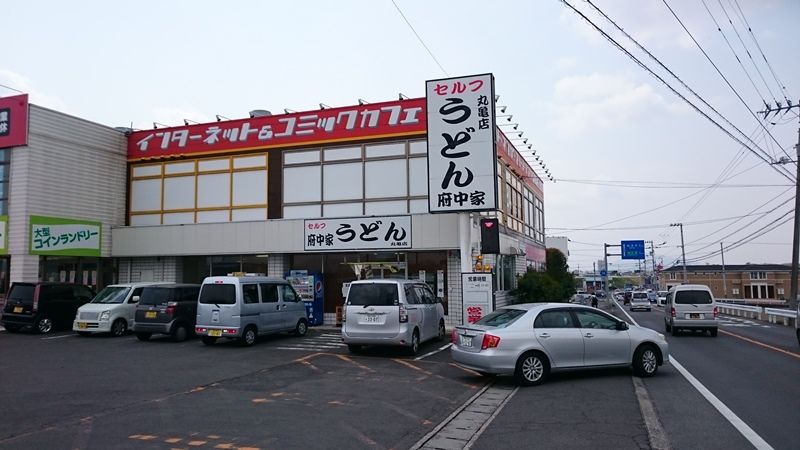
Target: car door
(603, 343)
(292, 307)
(250, 309)
(559, 336)
(431, 311)
(130, 305)
(270, 309)
(415, 308)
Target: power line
(664, 185)
(758, 46)
(756, 234)
(663, 66)
(682, 97)
(726, 80)
(644, 227)
(420, 38)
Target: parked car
(640, 301)
(531, 340)
(168, 310)
(44, 306)
(245, 307)
(391, 312)
(112, 310)
(691, 307)
(662, 297)
(652, 297)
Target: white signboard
(462, 155)
(477, 294)
(356, 233)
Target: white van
(690, 307)
(391, 312)
(245, 307)
(112, 310)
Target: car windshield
(639, 296)
(373, 294)
(155, 296)
(693, 298)
(22, 292)
(662, 293)
(112, 294)
(219, 294)
(501, 318)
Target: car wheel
(645, 361)
(442, 331)
(209, 340)
(674, 330)
(179, 333)
(248, 337)
(84, 333)
(713, 332)
(414, 348)
(301, 328)
(43, 325)
(667, 327)
(143, 336)
(353, 348)
(119, 327)
(532, 369)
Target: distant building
(743, 281)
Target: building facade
(339, 194)
(741, 281)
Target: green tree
(555, 284)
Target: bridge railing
(786, 317)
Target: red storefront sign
(14, 121)
(508, 153)
(351, 123)
(535, 253)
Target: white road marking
(59, 337)
(444, 347)
(748, 433)
(655, 431)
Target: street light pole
(683, 252)
(796, 235)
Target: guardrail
(786, 317)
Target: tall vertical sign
(462, 154)
(14, 121)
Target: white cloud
(600, 101)
(22, 83)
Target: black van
(43, 305)
(167, 309)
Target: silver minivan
(245, 307)
(391, 312)
(691, 307)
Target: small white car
(110, 311)
(640, 301)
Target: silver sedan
(531, 340)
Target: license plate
(695, 316)
(150, 314)
(372, 318)
(17, 309)
(81, 324)
(466, 341)
(215, 333)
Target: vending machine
(310, 288)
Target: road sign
(632, 249)
(603, 273)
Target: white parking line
(59, 337)
(433, 352)
(748, 433)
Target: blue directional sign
(603, 273)
(632, 249)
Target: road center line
(433, 352)
(748, 433)
(753, 341)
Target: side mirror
(622, 326)
(135, 299)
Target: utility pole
(796, 233)
(724, 280)
(683, 252)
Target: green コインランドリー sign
(66, 237)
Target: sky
(629, 156)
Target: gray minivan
(245, 307)
(691, 307)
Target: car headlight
(105, 315)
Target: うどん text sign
(462, 156)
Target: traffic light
(490, 236)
